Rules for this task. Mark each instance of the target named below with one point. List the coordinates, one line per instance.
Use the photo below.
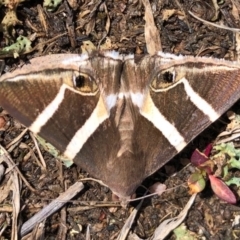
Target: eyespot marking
(84, 83)
(163, 79)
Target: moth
(120, 118)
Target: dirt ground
(120, 26)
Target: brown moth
(118, 119)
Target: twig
(51, 208)
(237, 30)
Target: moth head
(83, 83)
(166, 78)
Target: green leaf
(21, 46)
(196, 182)
(51, 5)
(182, 233)
(230, 153)
(233, 180)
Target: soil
(63, 30)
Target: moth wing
(55, 96)
(177, 98)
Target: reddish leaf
(198, 158)
(208, 150)
(222, 190)
(207, 167)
